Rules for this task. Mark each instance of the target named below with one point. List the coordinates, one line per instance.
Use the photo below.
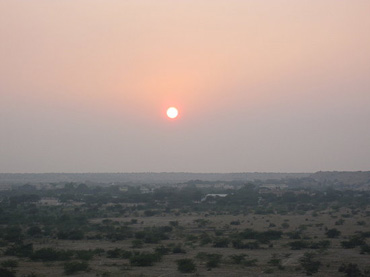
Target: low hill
(343, 177)
(157, 178)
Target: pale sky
(268, 86)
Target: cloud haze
(277, 86)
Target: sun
(172, 112)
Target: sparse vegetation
(186, 266)
(73, 267)
(310, 263)
(135, 231)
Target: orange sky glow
(261, 85)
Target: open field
(251, 230)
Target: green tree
(351, 270)
(309, 264)
(213, 260)
(186, 266)
(6, 273)
(145, 259)
(73, 267)
(332, 233)
(10, 263)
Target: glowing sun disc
(172, 112)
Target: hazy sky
(276, 85)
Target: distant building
(274, 186)
(49, 201)
(146, 190)
(276, 189)
(213, 196)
